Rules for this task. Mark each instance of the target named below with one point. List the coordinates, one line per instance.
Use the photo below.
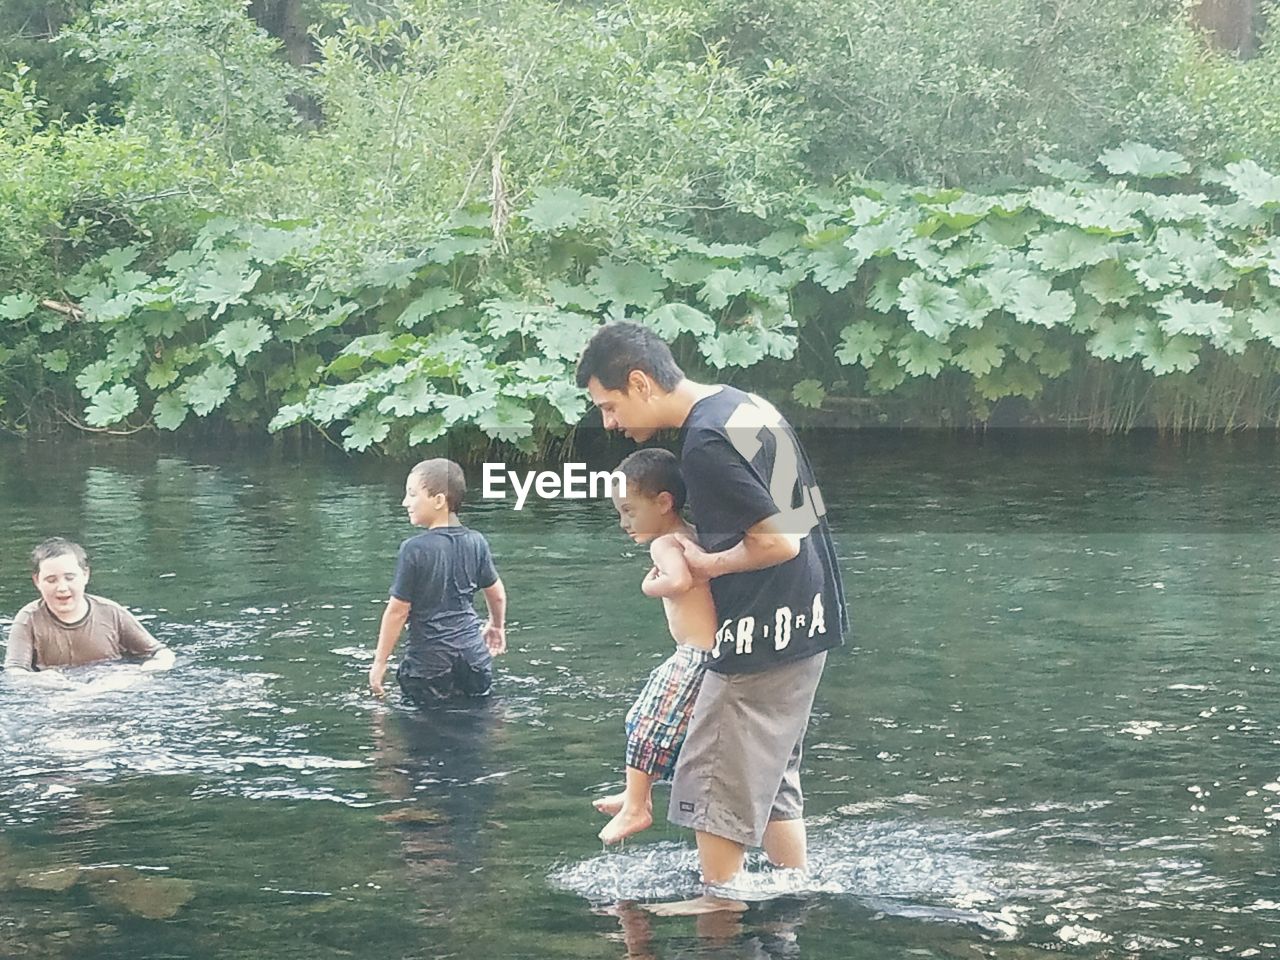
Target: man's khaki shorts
(739, 767)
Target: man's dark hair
(56, 547)
(441, 476)
(618, 348)
(652, 471)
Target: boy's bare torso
(691, 616)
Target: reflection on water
(1055, 728)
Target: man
(765, 547)
(67, 627)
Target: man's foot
(610, 806)
(695, 907)
(626, 821)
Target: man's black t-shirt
(438, 573)
(741, 463)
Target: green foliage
(999, 300)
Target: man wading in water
(766, 549)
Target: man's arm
(763, 545)
(670, 575)
(495, 631)
(394, 617)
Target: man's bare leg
(721, 860)
(786, 844)
(632, 809)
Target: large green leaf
(429, 428)
(1157, 271)
(1069, 249)
(1036, 303)
(55, 361)
(94, 377)
(862, 342)
(921, 355)
(567, 398)
(111, 406)
(432, 301)
(835, 266)
(555, 209)
(735, 348)
(240, 339)
(365, 430)
(228, 279)
(414, 396)
(566, 338)
(1139, 160)
(506, 420)
(1193, 317)
(979, 351)
(169, 411)
(1253, 184)
(17, 306)
(626, 283)
(1164, 355)
(1110, 282)
(724, 284)
(1265, 322)
(672, 319)
(206, 391)
(1115, 339)
(809, 393)
(931, 308)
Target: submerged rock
(155, 898)
(52, 881)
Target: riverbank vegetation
(395, 221)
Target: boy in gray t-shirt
(67, 627)
(437, 575)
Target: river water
(1055, 730)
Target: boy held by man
(656, 724)
(437, 575)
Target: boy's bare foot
(627, 821)
(695, 907)
(610, 806)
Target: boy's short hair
(441, 476)
(56, 547)
(618, 348)
(652, 471)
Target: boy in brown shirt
(67, 627)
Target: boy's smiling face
(421, 506)
(61, 582)
(643, 517)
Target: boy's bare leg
(634, 813)
(786, 844)
(721, 860)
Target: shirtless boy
(657, 722)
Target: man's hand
(377, 670)
(701, 564)
(495, 638)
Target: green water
(1054, 731)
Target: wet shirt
(742, 463)
(438, 573)
(38, 639)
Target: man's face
(61, 582)
(630, 411)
